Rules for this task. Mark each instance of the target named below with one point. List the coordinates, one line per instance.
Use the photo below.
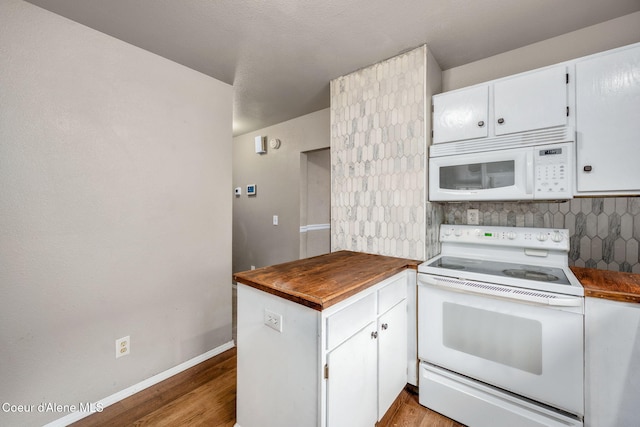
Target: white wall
(115, 212)
(586, 41)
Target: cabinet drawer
(350, 320)
(392, 294)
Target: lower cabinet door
(392, 356)
(352, 383)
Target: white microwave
(542, 172)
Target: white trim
(314, 227)
(123, 394)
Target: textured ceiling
(281, 54)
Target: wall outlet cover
(473, 216)
(123, 346)
(273, 320)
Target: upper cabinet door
(531, 101)
(608, 122)
(461, 115)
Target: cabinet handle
(385, 326)
(500, 120)
(587, 168)
(480, 123)
(374, 335)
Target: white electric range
(500, 328)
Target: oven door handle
(565, 302)
(501, 291)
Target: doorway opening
(315, 202)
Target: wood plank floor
(205, 395)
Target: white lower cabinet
(352, 383)
(369, 370)
(392, 366)
(343, 366)
(612, 360)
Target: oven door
(495, 175)
(526, 342)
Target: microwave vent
(502, 142)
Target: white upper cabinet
(531, 101)
(608, 122)
(461, 115)
(525, 102)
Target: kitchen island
(326, 340)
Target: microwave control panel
(552, 176)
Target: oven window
(502, 338)
(478, 176)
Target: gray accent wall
(279, 175)
(115, 213)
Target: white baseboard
(123, 394)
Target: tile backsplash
(604, 232)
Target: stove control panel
(542, 238)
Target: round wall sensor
(274, 143)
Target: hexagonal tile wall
(604, 232)
(378, 160)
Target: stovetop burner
(503, 269)
(453, 266)
(531, 275)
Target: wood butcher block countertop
(322, 281)
(610, 285)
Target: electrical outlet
(253, 267)
(275, 220)
(123, 346)
(273, 320)
(473, 216)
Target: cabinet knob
(374, 335)
(587, 168)
(500, 120)
(480, 123)
(385, 326)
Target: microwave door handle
(529, 173)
